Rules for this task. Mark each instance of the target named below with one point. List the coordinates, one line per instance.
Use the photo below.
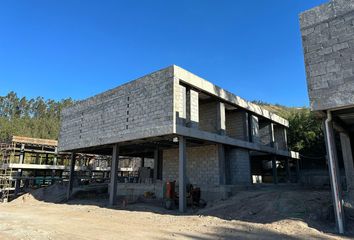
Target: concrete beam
(212, 137)
(182, 174)
(114, 176)
(71, 176)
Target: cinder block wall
(139, 109)
(238, 160)
(180, 102)
(264, 132)
(279, 136)
(328, 44)
(255, 129)
(202, 165)
(208, 117)
(235, 125)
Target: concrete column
(286, 138)
(272, 135)
(71, 175)
(250, 127)
(222, 164)
(220, 118)
(192, 107)
(182, 174)
(348, 161)
(297, 161)
(114, 176)
(156, 163)
(334, 173)
(274, 167)
(287, 169)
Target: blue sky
(60, 49)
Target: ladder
(5, 172)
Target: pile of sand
(55, 193)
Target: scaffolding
(5, 172)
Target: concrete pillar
(286, 138)
(287, 169)
(156, 163)
(275, 172)
(114, 176)
(192, 106)
(71, 175)
(334, 173)
(348, 161)
(272, 135)
(182, 174)
(250, 127)
(220, 118)
(222, 164)
(297, 161)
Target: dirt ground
(270, 213)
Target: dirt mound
(55, 194)
(269, 206)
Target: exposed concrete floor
(254, 214)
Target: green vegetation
(30, 117)
(305, 133)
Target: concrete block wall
(139, 109)
(265, 133)
(328, 44)
(208, 117)
(180, 104)
(202, 165)
(254, 129)
(192, 108)
(239, 163)
(236, 126)
(280, 138)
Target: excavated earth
(256, 213)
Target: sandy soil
(252, 214)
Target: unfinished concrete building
(195, 131)
(328, 42)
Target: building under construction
(31, 162)
(196, 132)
